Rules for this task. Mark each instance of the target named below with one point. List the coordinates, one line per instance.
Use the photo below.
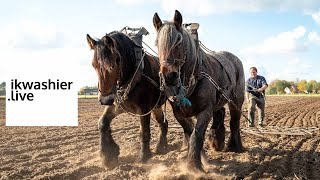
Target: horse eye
(170, 61)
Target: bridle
(120, 93)
(184, 89)
(175, 61)
(114, 88)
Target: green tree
(281, 85)
(308, 87)
(3, 85)
(312, 84)
(3, 89)
(272, 88)
(317, 86)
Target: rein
(121, 94)
(121, 98)
(215, 84)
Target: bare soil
(73, 152)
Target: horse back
(229, 68)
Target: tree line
(84, 88)
(2, 89)
(300, 86)
(275, 87)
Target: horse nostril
(101, 102)
(172, 78)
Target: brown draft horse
(192, 80)
(125, 86)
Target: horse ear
(91, 42)
(177, 19)
(157, 23)
(108, 41)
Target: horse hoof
(235, 144)
(216, 138)
(161, 149)
(195, 166)
(143, 158)
(216, 145)
(236, 149)
(110, 164)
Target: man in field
(255, 95)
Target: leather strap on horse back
(138, 52)
(153, 82)
(227, 66)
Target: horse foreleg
(217, 134)
(197, 139)
(109, 150)
(145, 136)
(187, 126)
(162, 144)
(235, 144)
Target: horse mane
(168, 38)
(126, 61)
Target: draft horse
(127, 86)
(199, 85)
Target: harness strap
(153, 82)
(122, 92)
(215, 84)
(193, 80)
(192, 87)
(227, 66)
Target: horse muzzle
(106, 100)
(171, 92)
(171, 79)
(169, 85)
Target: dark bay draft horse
(127, 86)
(205, 80)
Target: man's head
(253, 72)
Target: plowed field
(73, 152)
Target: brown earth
(73, 152)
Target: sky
(280, 37)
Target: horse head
(105, 62)
(177, 51)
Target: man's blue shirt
(253, 84)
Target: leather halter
(121, 92)
(188, 90)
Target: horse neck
(126, 65)
(192, 58)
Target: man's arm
(264, 87)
